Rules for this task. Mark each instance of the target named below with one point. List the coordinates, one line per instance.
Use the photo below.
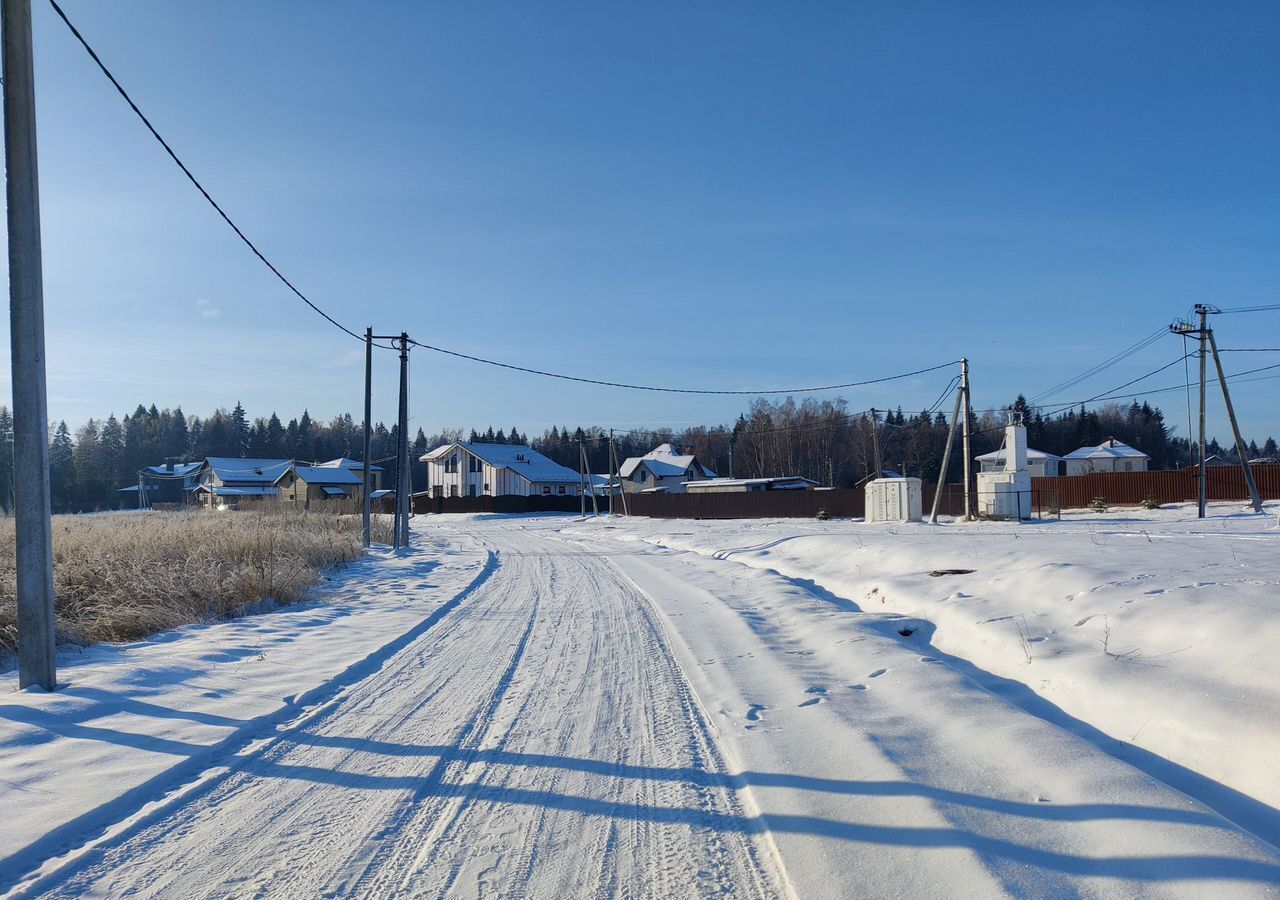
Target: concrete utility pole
(404, 499)
(367, 502)
(1186, 328)
(1203, 491)
(582, 482)
(31, 508)
(1254, 498)
(875, 444)
(968, 454)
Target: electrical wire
(1100, 367)
(1248, 309)
(1121, 387)
(192, 178)
(672, 390)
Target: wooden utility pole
(612, 485)
(366, 502)
(33, 526)
(591, 482)
(946, 458)
(582, 482)
(1254, 498)
(965, 446)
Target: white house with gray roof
(662, 469)
(1109, 456)
(464, 469)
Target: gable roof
(664, 462)
(998, 455)
(179, 470)
(1108, 449)
(325, 475)
(238, 470)
(526, 462)
(346, 462)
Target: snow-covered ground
(541, 706)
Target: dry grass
(121, 577)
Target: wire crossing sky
(709, 199)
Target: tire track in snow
(65, 849)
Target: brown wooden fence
(504, 504)
(1132, 488)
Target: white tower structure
(1006, 494)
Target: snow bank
(1156, 628)
(131, 722)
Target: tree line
(818, 439)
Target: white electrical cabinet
(895, 500)
(1004, 495)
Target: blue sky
(699, 195)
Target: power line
(1100, 367)
(1248, 309)
(671, 390)
(192, 178)
(1121, 387)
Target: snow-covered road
(596, 718)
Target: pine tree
(239, 430)
(62, 469)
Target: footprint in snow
(858, 687)
(877, 673)
(928, 659)
(813, 702)
(754, 712)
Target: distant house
(169, 484)
(1039, 463)
(1109, 456)
(464, 469)
(662, 469)
(750, 485)
(228, 481)
(356, 466)
(304, 485)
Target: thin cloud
(207, 309)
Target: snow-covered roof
(238, 470)
(664, 461)
(526, 462)
(179, 470)
(321, 475)
(230, 491)
(1108, 449)
(378, 495)
(998, 455)
(345, 462)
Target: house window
(451, 464)
(644, 475)
(475, 465)
(453, 490)
(546, 490)
(471, 490)
(486, 487)
(560, 490)
(437, 491)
